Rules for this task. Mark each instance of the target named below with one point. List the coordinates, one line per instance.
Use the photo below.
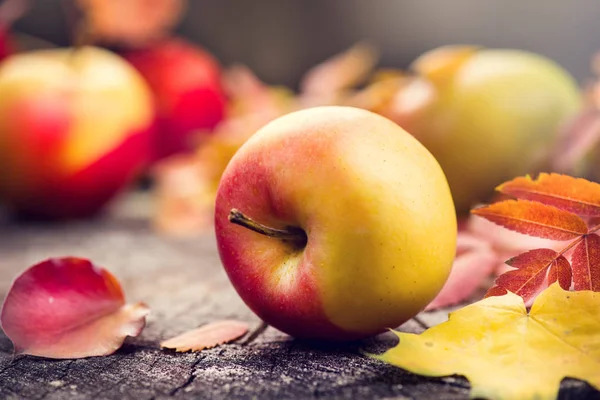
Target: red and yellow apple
(73, 130)
(335, 223)
(186, 82)
(487, 115)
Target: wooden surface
(183, 283)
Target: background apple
(186, 82)
(73, 130)
(487, 115)
(367, 228)
(5, 44)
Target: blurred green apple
(487, 115)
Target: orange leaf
(575, 195)
(534, 219)
(69, 308)
(529, 277)
(207, 336)
(586, 264)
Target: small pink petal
(468, 273)
(207, 336)
(69, 308)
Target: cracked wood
(183, 283)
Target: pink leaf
(475, 261)
(207, 336)
(69, 308)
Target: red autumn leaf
(586, 264)
(207, 336)
(534, 219)
(530, 274)
(575, 195)
(69, 308)
(561, 273)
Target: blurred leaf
(474, 263)
(131, 22)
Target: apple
(73, 130)
(6, 47)
(335, 223)
(186, 82)
(487, 115)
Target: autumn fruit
(5, 44)
(334, 223)
(486, 114)
(73, 130)
(186, 82)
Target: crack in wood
(191, 378)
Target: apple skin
(487, 115)
(375, 206)
(186, 82)
(74, 130)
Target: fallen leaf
(207, 336)
(69, 308)
(575, 195)
(506, 353)
(586, 264)
(534, 219)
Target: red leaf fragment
(586, 264)
(575, 195)
(496, 291)
(537, 258)
(207, 336)
(560, 272)
(529, 277)
(534, 219)
(69, 308)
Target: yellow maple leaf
(507, 353)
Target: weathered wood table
(183, 283)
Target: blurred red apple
(73, 130)
(5, 44)
(186, 82)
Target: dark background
(281, 39)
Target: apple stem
(288, 234)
